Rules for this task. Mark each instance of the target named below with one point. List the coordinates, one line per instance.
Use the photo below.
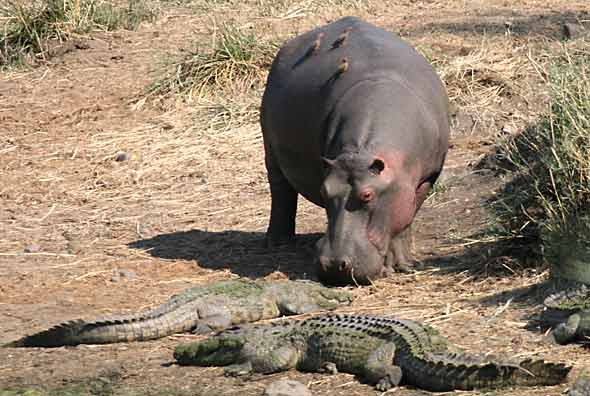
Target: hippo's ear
(377, 166)
(328, 163)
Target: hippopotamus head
(369, 199)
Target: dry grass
(190, 203)
(489, 84)
(29, 29)
(237, 63)
(282, 9)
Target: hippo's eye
(366, 195)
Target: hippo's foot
(408, 267)
(405, 265)
(399, 258)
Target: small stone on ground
(123, 274)
(287, 388)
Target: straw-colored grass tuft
(548, 197)
(27, 29)
(238, 62)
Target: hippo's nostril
(324, 262)
(343, 264)
(335, 264)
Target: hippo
(356, 121)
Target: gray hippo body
(356, 121)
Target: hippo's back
(313, 71)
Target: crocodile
(384, 352)
(568, 314)
(202, 309)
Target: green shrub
(548, 197)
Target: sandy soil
(83, 235)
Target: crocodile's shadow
(241, 252)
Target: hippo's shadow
(504, 22)
(241, 252)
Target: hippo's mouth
(358, 273)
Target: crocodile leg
(564, 333)
(214, 351)
(281, 359)
(380, 370)
(212, 318)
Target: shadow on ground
(507, 22)
(243, 253)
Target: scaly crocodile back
(427, 359)
(573, 298)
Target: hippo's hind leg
(281, 228)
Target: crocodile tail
(59, 335)
(149, 325)
(445, 376)
(546, 373)
(178, 314)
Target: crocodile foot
(329, 368)
(390, 380)
(237, 370)
(565, 332)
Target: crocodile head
(294, 298)
(215, 351)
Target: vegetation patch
(548, 197)
(237, 60)
(28, 29)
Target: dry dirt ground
(82, 235)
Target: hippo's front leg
(399, 258)
(281, 228)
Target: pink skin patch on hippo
(399, 213)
